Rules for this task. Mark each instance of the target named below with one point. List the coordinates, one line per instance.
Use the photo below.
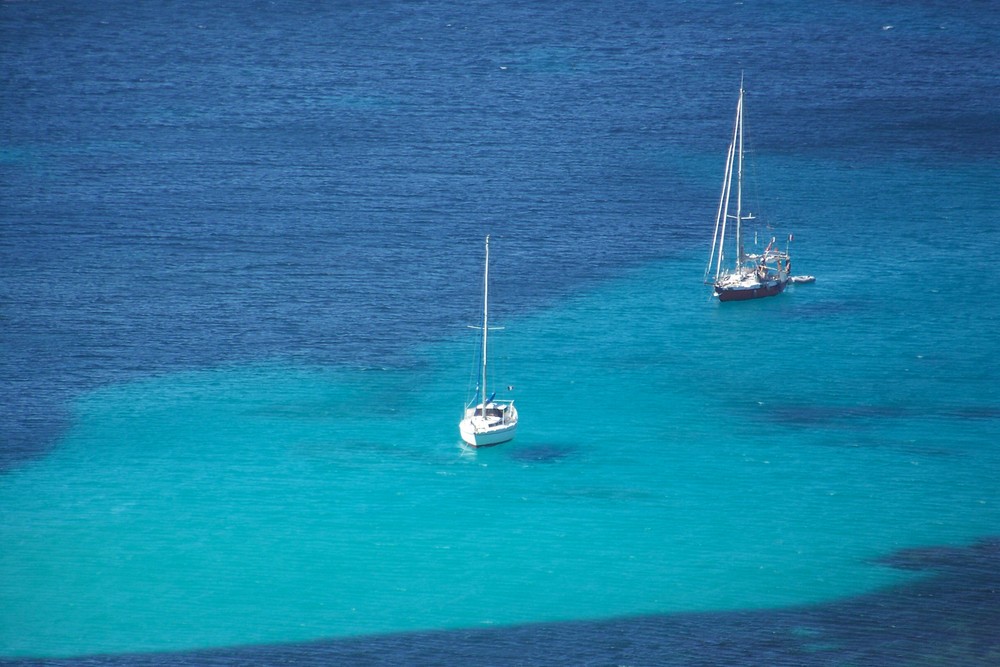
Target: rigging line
(728, 182)
(473, 366)
(763, 216)
(721, 214)
(754, 169)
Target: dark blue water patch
(805, 415)
(980, 556)
(950, 617)
(30, 423)
(977, 412)
(931, 112)
(541, 453)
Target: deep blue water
(188, 192)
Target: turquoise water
(674, 454)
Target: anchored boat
(748, 275)
(487, 420)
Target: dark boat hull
(747, 293)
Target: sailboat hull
(745, 293)
(487, 437)
(497, 425)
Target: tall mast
(486, 287)
(739, 183)
(718, 241)
(727, 185)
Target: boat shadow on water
(541, 453)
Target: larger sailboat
(751, 275)
(487, 420)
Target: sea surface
(241, 244)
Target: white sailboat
(487, 420)
(752, 275)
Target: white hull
(480, 431)
(487, 437)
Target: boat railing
(498, 407)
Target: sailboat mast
(718, 241)
(486, 287)
(739, 184)
(727, 187)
